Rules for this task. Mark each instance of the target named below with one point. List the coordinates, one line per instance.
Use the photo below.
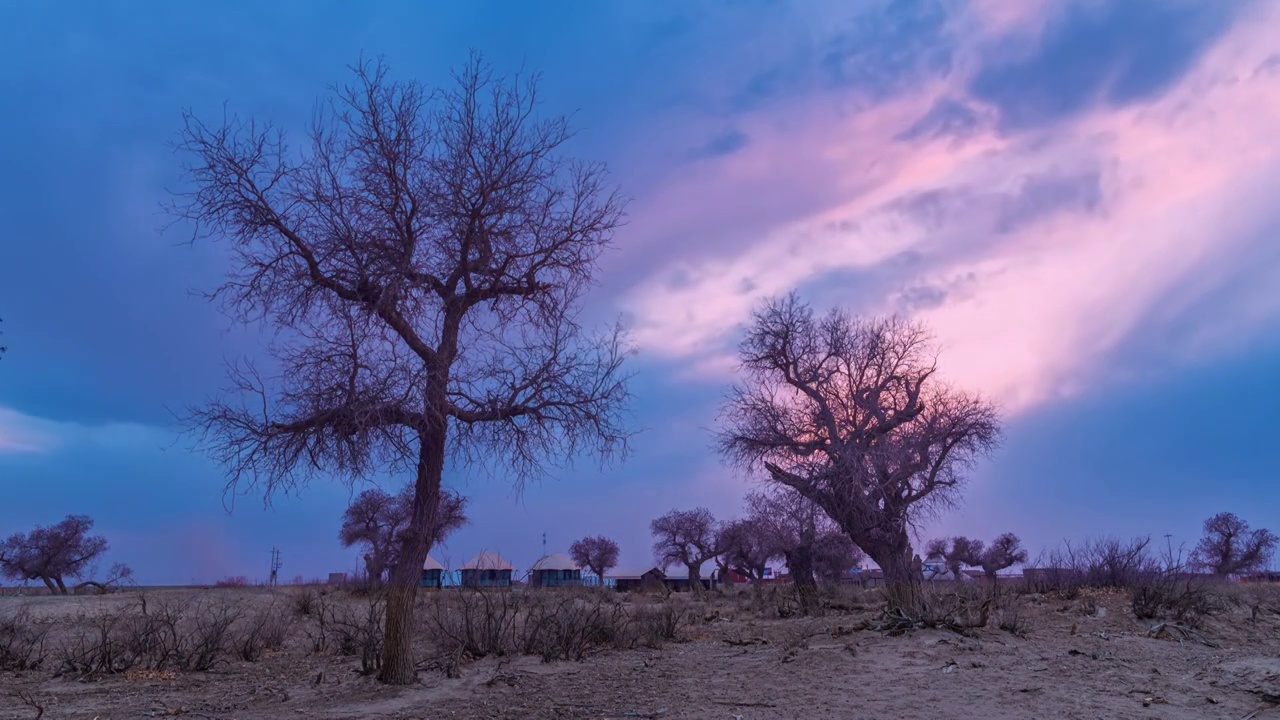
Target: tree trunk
(53, 589)
(902, 580)
(62, 587)
(800, 562)
(398, 667)
(695, 579)
(601, 576)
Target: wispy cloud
(1033, 239)
(22, 433)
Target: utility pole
(544, 544)
(275, 565)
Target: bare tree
(746, 545)
(423, 256)
(53, 553)
(379, 521)
(810, 543)
(956, 552)
(1230, 547)
(119, 575)
(834, 555)
(848, 413)
(688, 538)
(1005, 551)
(597, 554)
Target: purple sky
(1079, 197)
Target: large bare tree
(597, 554)
(53, 553)
(688, 538)
(423, 254)
(379, 522)
(849, 413)
(1230, 547)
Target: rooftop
(487, 561)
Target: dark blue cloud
(1112, 53)
(1040, 195)
(947, 118)
(726, 143)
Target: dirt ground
(1085, 658)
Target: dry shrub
(1181, 597)
(265, 630)
(571, 625)
(358, 631)
(552, 624)
(477, 622)
(955, 606)
(191, 635)
(660, 622)
(305, 600)
(234, 581)
(1007, 614)
(98, 650)
(22, 640)
(1106, 562)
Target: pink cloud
(1033, 308)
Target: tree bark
(695, 578)
(800, 562)
(601, 576)
(398, 667)
(53, 589)
(62, 587)
(902, 580)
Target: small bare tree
(597, 554)
(956, 552)
(53, 553)
(379, 521)
(423, 256)
(1230, 547)
(746, 545)
(1005, 552)
(804, 536)
(688, 538)
(848, 413)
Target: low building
(631, 580)
(555, 570)
(487, 569)
(678, 581)
(432, 574)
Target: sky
(1078, 197)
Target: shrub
(1174, 595)
(22, 641)
(99, 650)
(305, 600)
(236, 581)
(266, 630)
(359, 634)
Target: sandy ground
(1086, 658)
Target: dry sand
(1072, 662)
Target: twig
(30, 701)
